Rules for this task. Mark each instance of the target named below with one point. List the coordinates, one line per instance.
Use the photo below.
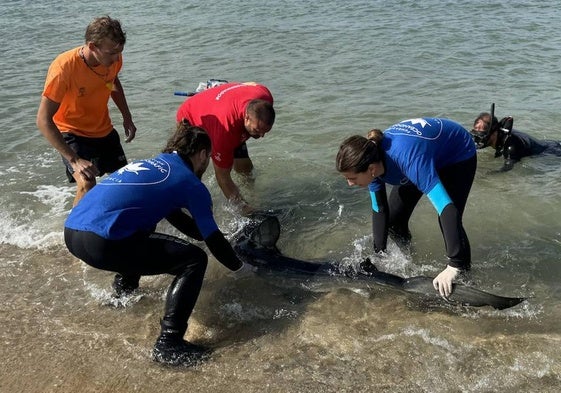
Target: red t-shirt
(221, 111)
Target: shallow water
(335, 70)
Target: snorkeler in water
(512, 144)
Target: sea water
(335, 69)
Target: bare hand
(130, 130)
(85, 168)
(247, 209)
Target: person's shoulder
(523, 139)
(520, 134)
(68, 55)
(256, 85)
(64, 65)
(171, 159)
(180, 170)
(66, 60)
(261, 91)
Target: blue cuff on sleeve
(375, 206)
(439, 197)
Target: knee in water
(125, 285)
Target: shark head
(263, 231)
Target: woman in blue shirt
(112, 228)
(431, 156)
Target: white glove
(244, 271)
(443, 282)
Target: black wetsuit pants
(457, 179)
(148, 254)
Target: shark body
(256, 245)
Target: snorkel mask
(481, 138)
(502, 128)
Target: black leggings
(148, 254)
(457, 180)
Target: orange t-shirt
(82, 94)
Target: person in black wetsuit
(512, 144)
(113, 228)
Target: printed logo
(219, 95)
(425, 128)
(140, 173)
(419, 120)
(134, 167)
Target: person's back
(231, 113)
(420, 147)
(139, 195)
(522, 145)
(221, 109)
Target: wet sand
(61, 334)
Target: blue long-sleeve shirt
(136, 197)
(416, 149)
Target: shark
(256, 244)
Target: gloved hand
(367, 267)
(443, 282)
(243, 272)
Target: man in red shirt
(231, 113)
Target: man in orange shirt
(73, 114)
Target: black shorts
(241, 151)
(105, 153)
